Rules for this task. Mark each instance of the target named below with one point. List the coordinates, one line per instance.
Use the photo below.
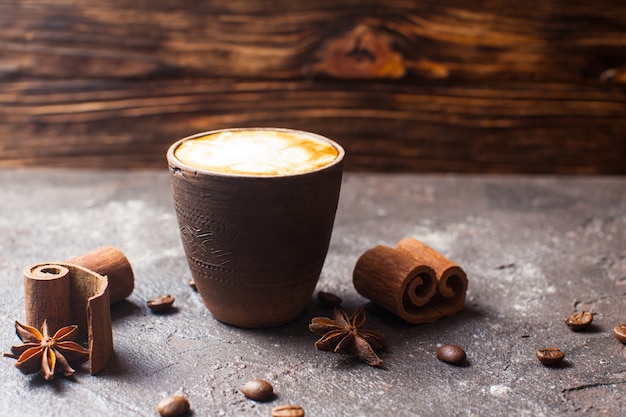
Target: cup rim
(178, 164)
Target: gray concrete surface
(534, 248)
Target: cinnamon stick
(67, 294)
(46, 296)
(80, 291)
(451, 279)
(396, 283)
(110, 262)
(413, 281)
(92, 312)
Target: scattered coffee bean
(579, 321)
(258, 390)
(620, 332)
(175, 405)
(288, 411)
(192, 284)
(160, 303)
(452, 354)
(550, 356)
(328, 299)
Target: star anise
(344, 334)
(45, 353)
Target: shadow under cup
(255, 244)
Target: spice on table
(328, 299)
(258, 390)
(344, 334)
(62, 294)
(160, 303)
(550, 356)
(453, 354)
(620, 332)
(579, 321)
(172, 406)
(45, 353)
(288, 411)
(412, 281)
(110, 262)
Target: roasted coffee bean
(288, 411)
(550, 356)
(192, 284)
(620, 332)
(175, 405)
(328, 299)
(160, 303)
(452, 354)
(579, 321)
(258, 390)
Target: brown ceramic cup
(255, 241)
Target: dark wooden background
(535, 86)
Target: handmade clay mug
(256, 208)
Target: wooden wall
(535, 86)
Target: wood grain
(533, 87)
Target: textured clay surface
(535, 249)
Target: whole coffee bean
(453, 354)
(620, 332)
(288, 411)
(175, 405)
(160, 303)
(328, 299)
(550, 356)
(579, 321)
(258, 390)
(192, 284)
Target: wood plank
(454, 39)
(500, 86)
(390, 127)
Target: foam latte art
(261, 152)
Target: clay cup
(255, 244)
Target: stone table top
(535, 249)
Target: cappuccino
(255, 209)
(257, 152)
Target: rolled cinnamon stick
(110, 262)
(395, 282)
(91, 310)
(66, 294)
(46, 296)
(80, 291)
(451, 279)
(413, 281)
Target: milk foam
(256, 152)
